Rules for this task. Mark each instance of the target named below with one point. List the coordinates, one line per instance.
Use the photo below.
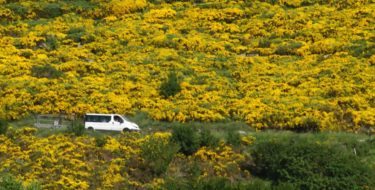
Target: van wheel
(126, 130)
(90, 128)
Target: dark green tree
(171, 86)
(3, 127)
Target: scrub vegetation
(305, 65)
(202, 78)
(185, 158)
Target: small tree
(76, 128)
(171, 86)
(3, 127)
(187, 138)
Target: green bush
(8, 182)
(34, 186)
(76, 33)
(171, 86)
(214, 183)
(79, 34)
(76, 128)
(17, 9)
(26, 53)
(311, 164)
(233, 138)
(50, 10)
(187, 138)
(3, 127)
(52, 42)
(157, 155)
(100, 140)
(288, 48)
(45, 71)
(308, 125)
(82, 6)
(223, 183)
(264, 43)
(362, 48)
(207, 139)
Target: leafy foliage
(207, 138)
(8, 182)
(46, 71)
(187, 138)
(50, 10)
(274, 64)
(152, 161)
(3, 126)
(171, 86)
(311, 165)
(157, 154)
(78, 129)
(233, 138)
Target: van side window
(97, 118)
(118, 119)
(105, 119)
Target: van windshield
(125, 118)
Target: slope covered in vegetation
(186, 159)
(273, 63)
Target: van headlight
(136, 126)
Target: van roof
(107, 114)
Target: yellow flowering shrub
(221, 161)
(121, 7)
(272, 65)
(73, 162)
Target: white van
(110, 122)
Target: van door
(103, 122)
(118, 123)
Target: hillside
(186, 159)
(305, 64)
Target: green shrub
(100, 141)
(214, 183)
(8, 182)
(76, 128)
(207, 139)
(34, 186)
(17, 9)
(176, 183)
(310, 164)
(171, 86)
(79, 34)
(258, 184)
(362, 48)
(308, 125)
(26, 53)
(227, 184)
(288, 48)
(82, 6)
(50, 10)
(223, 183)
(52, 42)
(233, 138)
(76, 33)
(187, 138)
(3, 127)
(45, 71)
(157, 155)
(264, 43)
